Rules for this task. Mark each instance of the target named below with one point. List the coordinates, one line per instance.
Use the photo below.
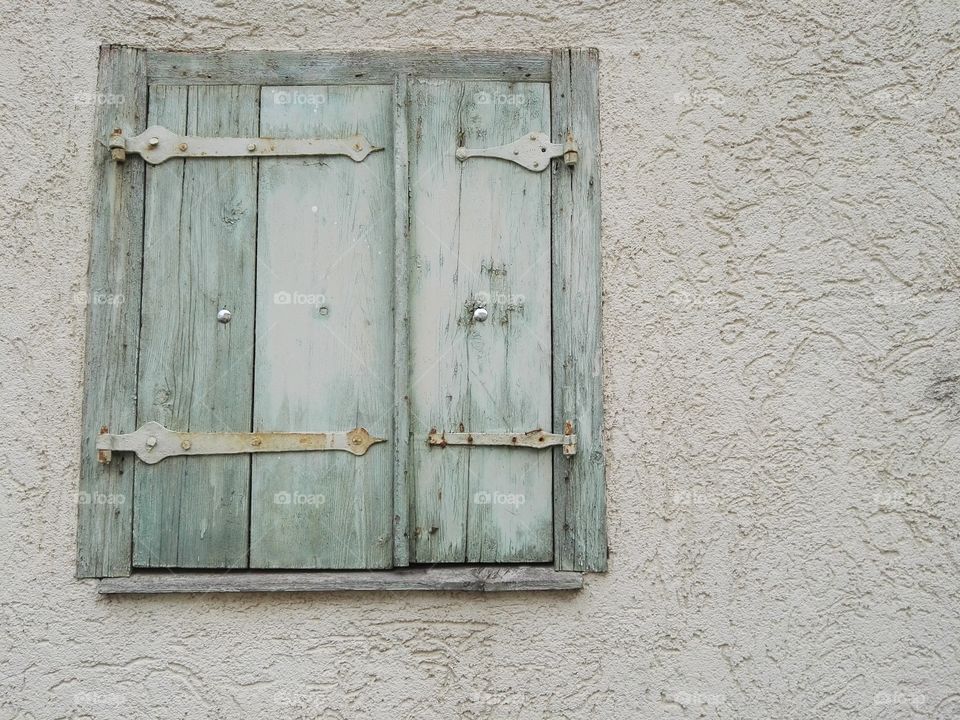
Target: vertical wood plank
(113, 321)
(156, 518)
(325, 355)
(401, 299)
(196, 373)
(579, 490)
(480, 234)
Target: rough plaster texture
(782, 379)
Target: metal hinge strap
(536, 439)
(156, 144)
(153, 442)
(533, 151)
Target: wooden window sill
(469, 579)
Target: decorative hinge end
(359, 441)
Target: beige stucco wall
(780, 215)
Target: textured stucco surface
(782, 377)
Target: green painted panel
(480, 233)
(196, 373)
(325, 350)
(579, 491)
(105, 507)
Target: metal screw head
(153, 142)
(480, 314)
(186, 444)
(151, 441)
(251, 147)
(224, 316)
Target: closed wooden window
(440, 293)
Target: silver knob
(480, 314)
(224, 316)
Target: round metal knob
(480, 314)
(224, 316)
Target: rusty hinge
(156, 144)
(533, 151)
(537, 439)
(153, 442)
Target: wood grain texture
(113, 322)
(195, 373)
(401, 302)
(579, 492)
(351, 68)
(480, 234)
(469, 579)
(325, 351)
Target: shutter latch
(153, 442)
(156, 144)
(533, 151)
(536, 439)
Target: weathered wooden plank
(401, 407)
(325, 351)
(579, 493)
(113, 321)
(480, 234)
(196, 374)
(350, 68)
(469, 579)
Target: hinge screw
(251, 147)
(153, 142)
(151, 442)
(185, 444)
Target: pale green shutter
(352, 289)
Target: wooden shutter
(529, 243)
(352, 288)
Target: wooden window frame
(105, 530)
